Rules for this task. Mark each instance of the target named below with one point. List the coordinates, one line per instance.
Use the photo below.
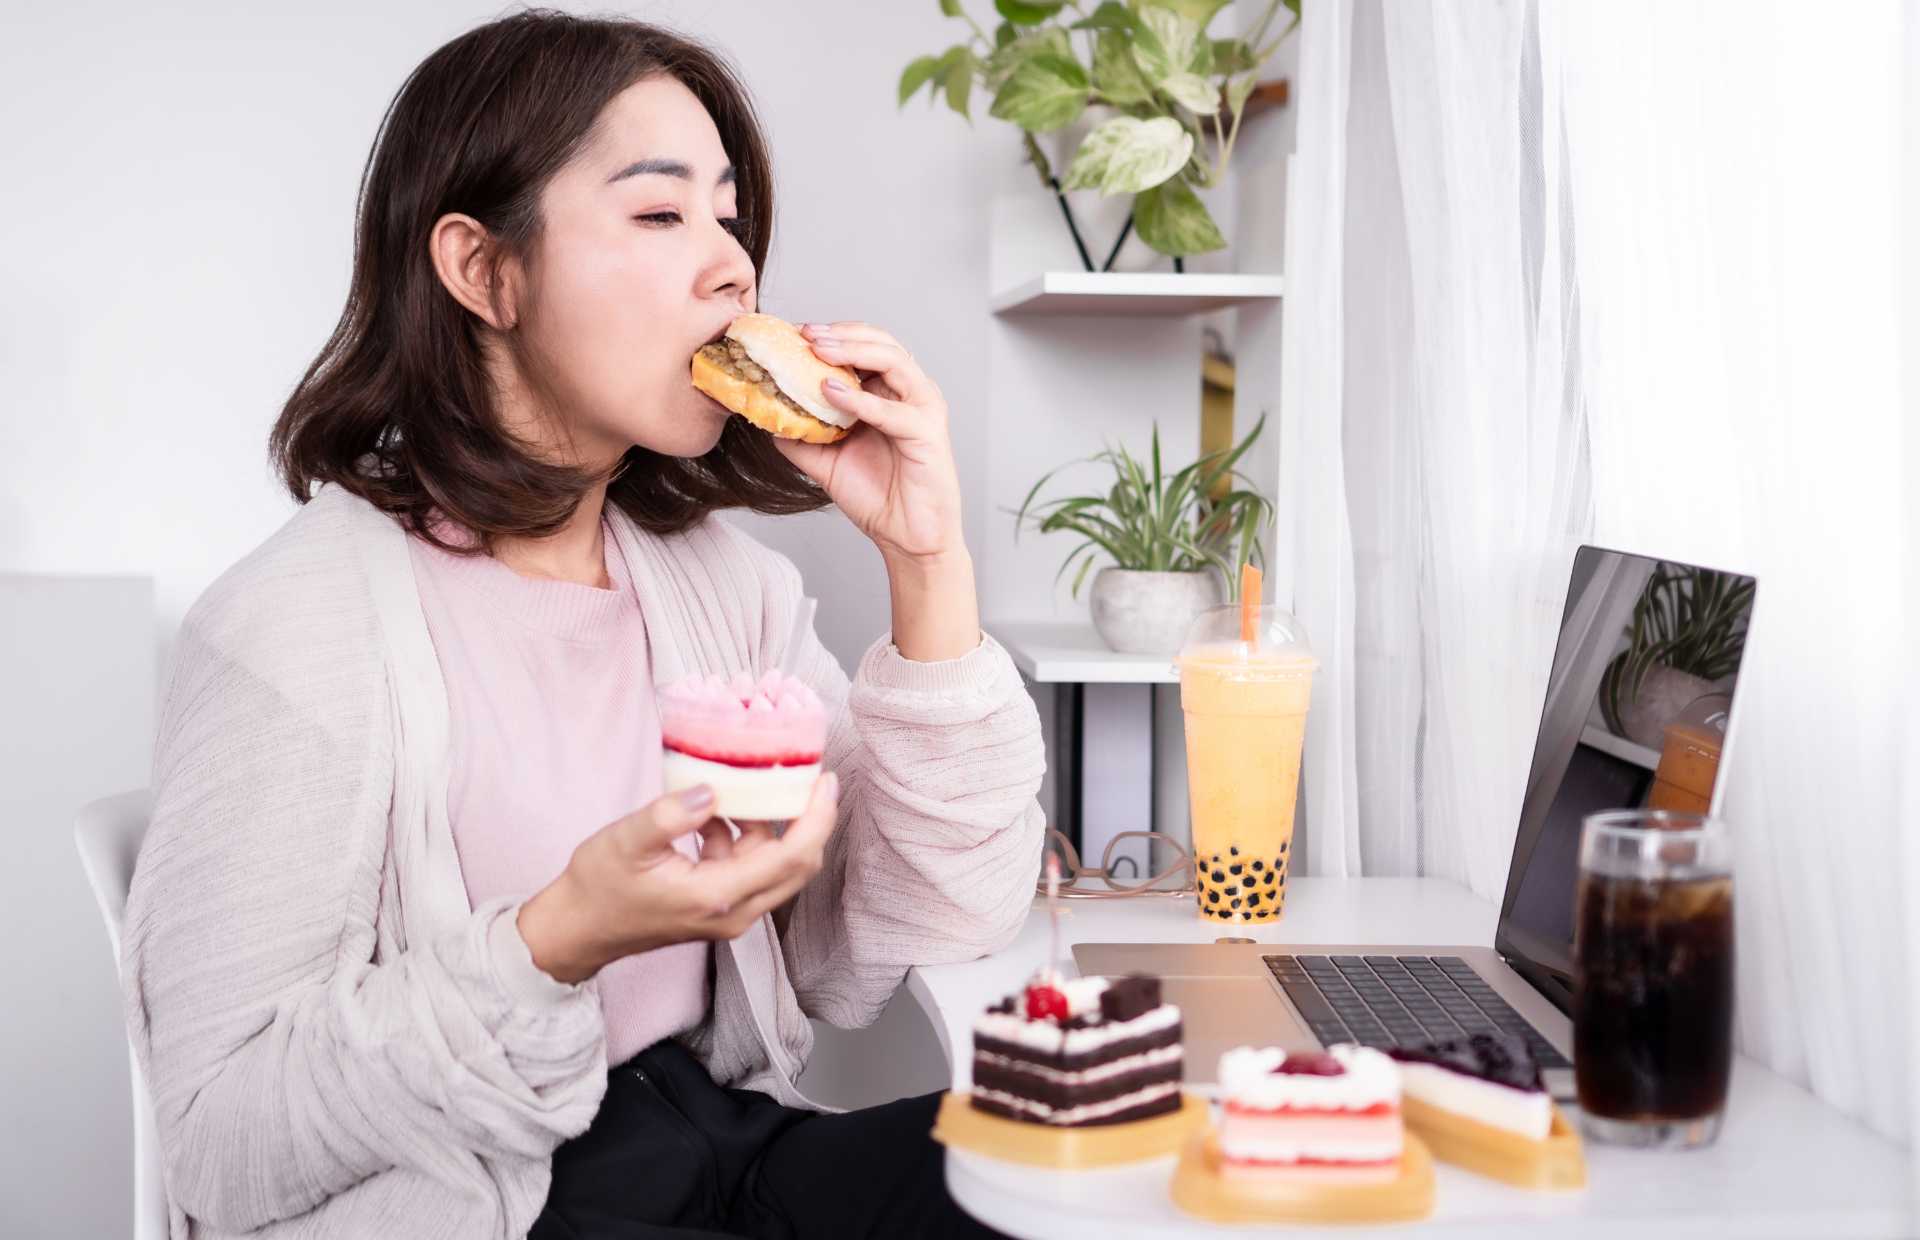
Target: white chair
(109, 832)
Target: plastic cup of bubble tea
(1246, 677)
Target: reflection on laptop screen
(1636, 715)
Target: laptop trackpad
(1220, 1013)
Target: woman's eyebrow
(666, 168)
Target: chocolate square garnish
(1131, 996)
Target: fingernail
(811, 328)
(694, 799)
(826, 342)
(834, 385)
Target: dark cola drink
(1653, 1005)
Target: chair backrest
(109, 832)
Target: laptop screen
(1636, 716)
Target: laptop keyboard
(1400, 1000)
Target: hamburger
(763, 369)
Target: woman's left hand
(893, 476)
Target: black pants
(670, 1153)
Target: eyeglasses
(1081, 882)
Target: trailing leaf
(1166, 44)
(1171, 218)
(1009, 56)
(1116, 74)
(1111, 15)
(1126, 155)
(1193, 92)
(959, 84)
(1231, 56)
(917, 74)
(1028, 12)
(1045, 93)
(1199, 12)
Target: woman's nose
(730, 275)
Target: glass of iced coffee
(1653, 977)
(1246, 674)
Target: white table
(1786, 1165)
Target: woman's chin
(694, 430)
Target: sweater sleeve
(289, 1058)
(939, 840)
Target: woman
(397, 911)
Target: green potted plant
(1688, 629)
(1169, 95)
(1175, 547)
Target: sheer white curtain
(1624, 274)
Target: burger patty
(731, 356)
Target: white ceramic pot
(1148, 613)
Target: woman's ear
(470, 267)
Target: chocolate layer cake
(1077, 1053)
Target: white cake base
(759, 793)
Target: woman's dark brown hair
(398, 407)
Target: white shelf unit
(1154, 293)
(1069, 653)
(1620, 747)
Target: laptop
(1600, 746)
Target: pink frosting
(774, 721)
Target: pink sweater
(554, 735)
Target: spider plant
(1694, 620)
(1153, 521)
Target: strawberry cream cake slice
(1309, 1117)
(757, 743)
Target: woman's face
(636, 267)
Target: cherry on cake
(758, 743)
(1319, 1117)
(1072, 1053)
(1484, 1078)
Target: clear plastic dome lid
(1252, 634)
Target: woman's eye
(738, 227)
(659, 219)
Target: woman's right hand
(626, 889)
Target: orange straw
(1249, 602)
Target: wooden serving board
(1555, 1163)
(961, 1126)
(1198, 1190)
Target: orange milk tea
(1246, 719)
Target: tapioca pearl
(1233, 849)
(1236, 902)
(1218, 877)
(1258, 865)
(1213, 897)
(1234, 868)
(1253, 899)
